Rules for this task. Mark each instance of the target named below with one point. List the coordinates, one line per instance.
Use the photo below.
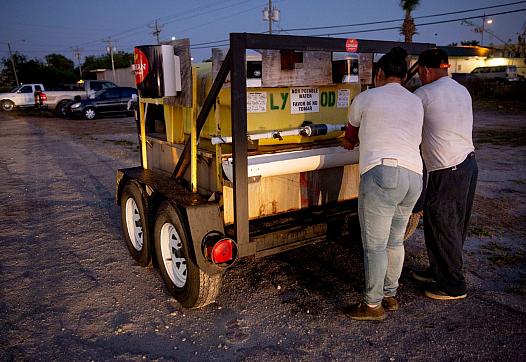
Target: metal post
(110, 50)
(270, 16)
(13, 63)
(482, 32)
(238, 75)
(77, 51)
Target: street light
(485, 21)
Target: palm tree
(408, 28)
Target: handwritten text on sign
(304, 100)
(256, 102)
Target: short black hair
(394, 63)
(433, 58)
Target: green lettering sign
(284, 97)
(272, 106)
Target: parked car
(106, 101)
(56, 100)
(501, 73)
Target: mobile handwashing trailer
(240, 156)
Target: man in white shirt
(448, 153)
(387, 120)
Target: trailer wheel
(192, 287)
(135, 224)
(414, 219)
(7, 105)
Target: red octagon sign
(351, 45)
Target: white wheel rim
(134, 224)
(8, 106)
(172, 254)
(90, 114)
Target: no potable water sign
(304, 100)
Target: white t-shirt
(448, 123)
(390, 120)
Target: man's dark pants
(447, 209)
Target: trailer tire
(7, 105)
(414, 219)
(192, 287)
(134, 221)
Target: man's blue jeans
(386, 199)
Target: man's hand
(350, 139)
(347, 144)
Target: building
(124, 77)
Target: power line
(216, 42)
(422, 24)
(394, 20)
(195, 46)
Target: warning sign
(351, 45)
(304, 100)
(256, 102)
(343, 98)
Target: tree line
(56, 69)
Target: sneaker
(424, 276)
(362, 312)
(390, 303)
(441, 295)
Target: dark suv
(105, 101)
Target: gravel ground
(70, 291)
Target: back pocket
(386, 176)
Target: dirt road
(70, 291)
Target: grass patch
(120, 142)
(495, 247)
(502, 255)
(478, 231)
(505, 259)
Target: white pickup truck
(57, 100)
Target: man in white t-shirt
(387, 120)
(448, 153)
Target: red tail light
(220, 250)
(43, 97)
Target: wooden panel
(163, 156)
(280, 194)
(182, 50)
(316, 70)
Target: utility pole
(13, 63)
(482, 32)
(270, 14)
(77, 51)
(157, 30)
(110, 50)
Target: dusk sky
(37, 28)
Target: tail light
(218, 249)
(43, 97)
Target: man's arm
(350, 139)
